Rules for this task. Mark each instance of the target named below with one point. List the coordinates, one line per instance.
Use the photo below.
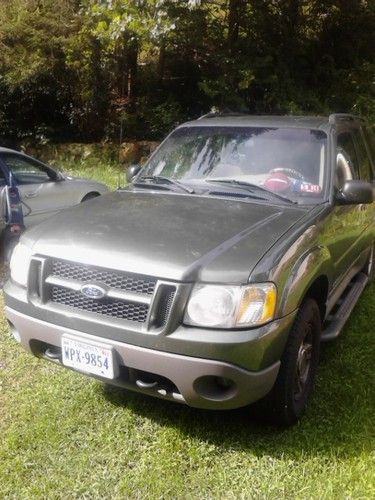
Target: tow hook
(53, 353)
(153, 385)
(146, 385)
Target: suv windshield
(286, 161)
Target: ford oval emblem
(93, 291)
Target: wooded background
(84, 70)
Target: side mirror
(59, 177)
(355, 192)
(55, 175)
(131, 172)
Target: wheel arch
(310, 277)
(90, 195)
(318, 290)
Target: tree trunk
(234, 19)
(132, 60)
(161, 63)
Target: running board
(345, 306)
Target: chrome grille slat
(128, 296)
(114, 279)
(117, 309)
(112, 293)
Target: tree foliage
(87, 69)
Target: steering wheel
(290, 172)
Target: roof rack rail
(335, 117)
(214, 114)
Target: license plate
(88, 357)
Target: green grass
(111, 173)
(64, 436)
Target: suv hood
(167, 235)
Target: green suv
(212, 278)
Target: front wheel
(287, 401)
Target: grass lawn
(64, 435)
(110, 173)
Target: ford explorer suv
(211, 280)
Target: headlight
(231, 306)
(19, 264)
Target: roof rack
(336, 117)
(214, 114)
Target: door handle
(31, 194)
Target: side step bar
(349, 299)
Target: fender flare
(314, 264)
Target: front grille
(114, 308)
(113, 279)
(135, 298)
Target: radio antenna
(119, 152)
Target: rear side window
(369, 135)
(345, 147)
(365, 170)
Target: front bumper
(198, 382)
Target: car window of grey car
(2, 177)
(24, 170)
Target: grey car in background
(44, 191)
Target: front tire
(287, 401)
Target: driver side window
(25, 171)
(346, 160)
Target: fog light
(215, 388)
(224, 382)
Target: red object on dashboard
(278, 182)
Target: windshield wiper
(161, 179)
(250, 188)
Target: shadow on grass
(339, 420)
